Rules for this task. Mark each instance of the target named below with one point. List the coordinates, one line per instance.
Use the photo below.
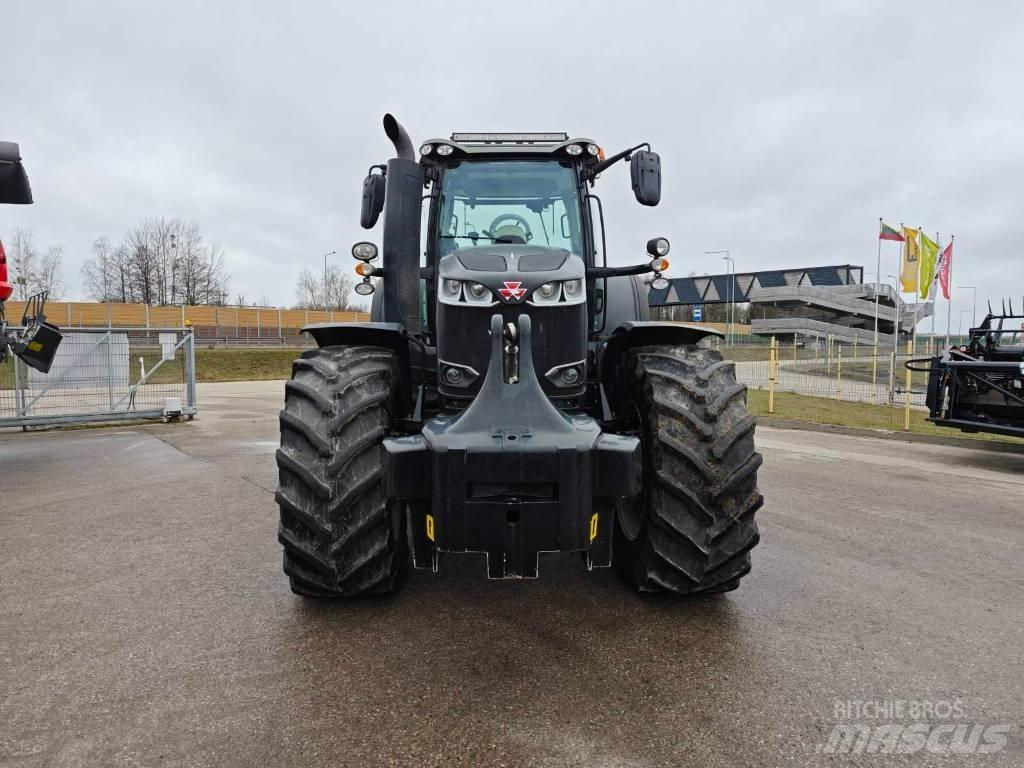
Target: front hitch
(511, 475)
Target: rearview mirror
(373, 199)
(14, 186)
(645, 171)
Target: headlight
(364, 251)
(451, 289)
(574, 149)
(558, 292)
(426, 149)
(548, 293)
(460, 293)
(477, 294)
(593, 149)
(445, 149)
(657, 246)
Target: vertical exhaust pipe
(398, 136)
(401, 241)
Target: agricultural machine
(510, 395)
(979, 386)
(36, 341)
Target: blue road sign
(698, 313)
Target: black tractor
(36, 340)
(979, 386)
(510, 395)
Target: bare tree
(313, 292)
(51, 271)
(36, 271)
(159, 261)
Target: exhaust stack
(401, 242)
(398, 136)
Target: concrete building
(808, 302)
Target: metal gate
(104, 375)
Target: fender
(611, 355)
(387, 335)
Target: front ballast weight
(512, 475)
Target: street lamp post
(960, 326)
(974, 303)
(730, 292)
(329, 253)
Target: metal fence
(103, 375)
(825, 381)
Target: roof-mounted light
(445, 149)
(574, 149)
(511, 137)
(426, 149)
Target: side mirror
(373, 199)
(645, 171)
(14, 186)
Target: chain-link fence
(822, 380)
(101, 375)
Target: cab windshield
(514, 202)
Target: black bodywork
(979, 386)
(519, 449)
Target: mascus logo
(513, 290)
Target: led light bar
(512, 137)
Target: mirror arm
(608, 162)
(634, 269)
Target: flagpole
(949, 283)
(899, 288)
(931, 290)
(917, 296)
(878, 279)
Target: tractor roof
(517, 143)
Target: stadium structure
(803, 303)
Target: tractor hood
(495, 265)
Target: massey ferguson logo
(513, 290)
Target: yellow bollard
(773, 372)
(906, 393)
(839, 369)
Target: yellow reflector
(593, 526)
(430, 527)
(364, 269)
(659, 265)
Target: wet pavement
(144, 620)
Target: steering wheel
(511, 217)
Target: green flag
(929, 252)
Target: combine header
(979, 386)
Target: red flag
(945, 257)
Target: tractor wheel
(341, 536)
(693, 528)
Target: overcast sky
(785, 129)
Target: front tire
(693, 530)
(341, 536)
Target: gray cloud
(785, 130)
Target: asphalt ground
(144, 620)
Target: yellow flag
(911, 261)
(929, 254)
